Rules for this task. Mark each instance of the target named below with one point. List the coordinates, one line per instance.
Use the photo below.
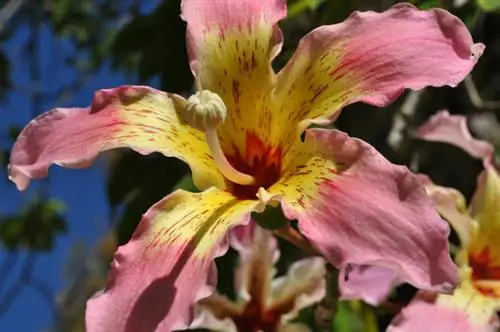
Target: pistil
(205, 111)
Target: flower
(444, 313)
(473, 305)
(241, 135)
(371, 283)
(264, 304)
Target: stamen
(224, 166)
(204, 111)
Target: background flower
(474, 304)
(264, 302)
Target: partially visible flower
(371, 283)
(242, 135)
(430, 312)
(474, 304)
(452, 129)
(264, 303)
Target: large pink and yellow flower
(241, 135)
(474, 304)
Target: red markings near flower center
(483, 268)
(255, 318)
(258, 160)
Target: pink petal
(452, 129)
(168, 264)
(451, 205)
(138, 117)
(231, 44)
(214, 312)
(258, 251)
(372, 284)
(222, 16)
(242, 238)
(363, 210)
(424, 314)
(372, 57)
(485, 204)
(302, 286)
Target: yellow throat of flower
(205, 111)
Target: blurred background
(57, 238)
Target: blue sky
(82, 190)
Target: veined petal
(139, 117)
(485, 204)
(258, 251)
(452, 129)
(167, 266)
(372, 284)
(451, 205)
(221, 306)
(480, 309)
(303, 286)
(477, 235)
(372, 57)
(214, 312)
(231, 44)
(357, 208)
(491, 289)
(485, 209)
(424, 313)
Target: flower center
(204, 111)
(255, 318)
(258, 160)
(484, 269)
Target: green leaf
(300, 6)
(354, 316)
(186, 183)
(4, 159)
(137, 182)
(489, 5)
(155, 45)
(34, 228)
(272, 218)
(13, 132)
(428, 4)
(133, 174)
(5, 83)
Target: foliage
(35, 227)
(489, 5)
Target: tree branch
(400, 122)
(9, 10)
(13, 292)
(476, 99)
(7, 265)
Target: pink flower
(371, 283)
(241, 135)
(264, 303)
(460, 312)
(474, 304)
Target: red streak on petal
(256, 318)
(258, 160)
(484, 269)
